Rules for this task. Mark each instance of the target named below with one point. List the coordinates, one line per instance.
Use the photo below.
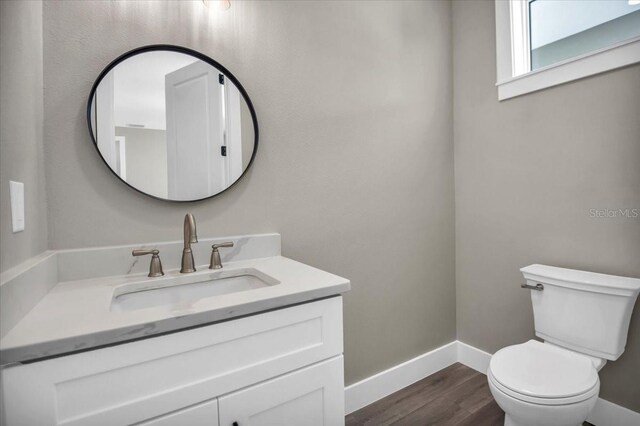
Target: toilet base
(510, 421)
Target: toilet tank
(582, 311)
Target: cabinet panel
(135, 381)
(205, 414)
(312, 396)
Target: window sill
(616, 56)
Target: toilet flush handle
(537, 287)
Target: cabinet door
(205, 414)
(312, 396)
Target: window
(542, 43)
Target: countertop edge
(93, 341)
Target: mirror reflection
(172, 126)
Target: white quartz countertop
(77, 315)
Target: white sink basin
(182, 291)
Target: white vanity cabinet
(282, 367)
(204, 414)
(311, 396)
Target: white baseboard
(376, 387)
(607, 413)
(473, 357)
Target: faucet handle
(225, 244)
(215, 262)
(143, 252)
(155, 267)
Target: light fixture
(634, 2)
(217, 4)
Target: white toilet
(583, 318)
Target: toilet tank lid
(588, 281)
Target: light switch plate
(16, 190)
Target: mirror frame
(198, 55)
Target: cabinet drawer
(312, 396)
(135, 381)
(205, 414)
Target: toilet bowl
(544, 385)
(583, 318)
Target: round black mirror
(172, 123)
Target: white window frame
(514, 75)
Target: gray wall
(528, 171)
(21, 115)
(355, 165)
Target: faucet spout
(190, 236)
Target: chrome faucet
(155, 267)
(190, 236)
(215, 262)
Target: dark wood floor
(456, 395)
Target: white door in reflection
(195, 132)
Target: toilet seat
(543, 374)
(543, 401)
